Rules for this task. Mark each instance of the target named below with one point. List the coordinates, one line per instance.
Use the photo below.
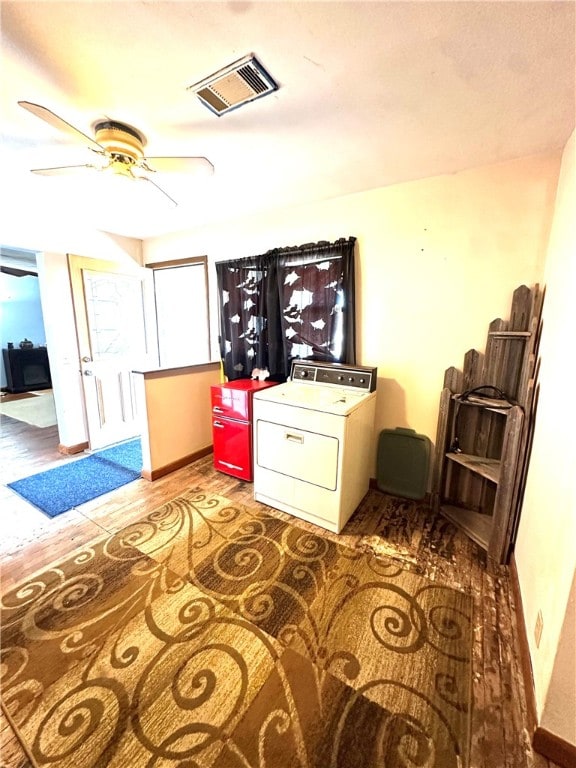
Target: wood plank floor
(406, 531)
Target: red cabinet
(232, 425)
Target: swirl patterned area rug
(209, 635)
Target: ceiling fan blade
(57, 122)
(145, 178)
(179, 164)
(64, 169)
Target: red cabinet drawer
(233, 447)
(234, 398)
(234, 403)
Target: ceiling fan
(120, 148)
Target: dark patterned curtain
(288, 303)
(243, 285)
(316, 302)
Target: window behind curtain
(285, 304)
(312, 303)
(243, 286)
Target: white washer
(312, 442)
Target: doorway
(22, 327)
(126, 286)
(25, 366)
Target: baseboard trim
(554, 748)
(67, 450)
(524, 649)
(544, 742)
(174, 465)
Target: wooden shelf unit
(482, 444)
(485, 467)
(476, 525)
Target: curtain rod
(322, 245)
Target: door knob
(86, 359)
(88, 373)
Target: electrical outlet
(538, 628)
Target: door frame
(76, 265)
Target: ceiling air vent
(236, 84)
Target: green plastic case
(403, 463)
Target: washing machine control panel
(336, 374)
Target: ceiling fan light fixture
(120, 139)
(239, 83)
(120, 167)
(119, 151)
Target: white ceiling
(370, 94)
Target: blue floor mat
(62, 488)
(128, 455)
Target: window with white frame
(181, 293)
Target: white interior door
(114, 310)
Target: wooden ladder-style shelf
(482, 443)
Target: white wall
(67, 234)
(559, 713)
(546, 546)
(438, 259)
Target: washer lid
(327, 399)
